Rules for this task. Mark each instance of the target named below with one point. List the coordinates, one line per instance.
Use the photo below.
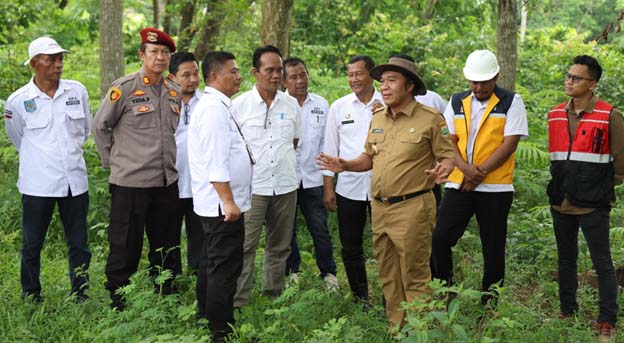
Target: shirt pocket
(36, 122)
(144, 116)
(412, 145)
(76, 123)
(254, 129)
(376, 141)
(287, 127)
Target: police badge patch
(115, 94)
(30, 106)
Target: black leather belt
(394, 200)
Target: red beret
(154, 36)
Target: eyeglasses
(576, 78)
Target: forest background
(103, 38)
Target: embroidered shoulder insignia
(8, 114)
(115, 94)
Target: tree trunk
(523, 20)
(507, 43)
(276, 20)
(186, 30)
(429, 9)
(209, 33)
(111, 43)
(167, 17)
(156, 6)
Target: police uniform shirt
(217, 153)
(432, 99)
(314, 116)
(182, 164)
(270, 133)
(403, 148)
(345, 135)
(134, 131)
(515, 125)
(48, 134)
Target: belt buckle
(385, 200)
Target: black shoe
(117, 302)
(34, 298)
(80, 298)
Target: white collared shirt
(314, 116)
(515, 125)
(217, 153)
(49, 133)
(345, 136)
(432, 99)
(270, 132)
(184, 174)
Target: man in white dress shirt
(184, 71)
(314, 109)
(345, 135)
(271, 122)
(221, 171)
(48, 121)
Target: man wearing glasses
(134, 134)
(586, 146)
(183, 69)
(485, 122)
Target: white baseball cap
(481, 65)
(43, 45)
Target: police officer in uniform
(134, 133)
(406, 141)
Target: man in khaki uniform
(134, 133)
(406, 141)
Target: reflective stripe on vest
(591, 138)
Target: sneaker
(605, 331)
(331, 282)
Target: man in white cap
(485, 123)
(48, 121)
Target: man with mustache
(134, 134)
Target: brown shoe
(563, 316)
(605, 331)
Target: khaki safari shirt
(134, 131)
(403, 148)
(616, 140)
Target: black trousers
(194, 233)
(595, 226)
(455, 211)
(221, 263)
(351, 223)
(134, 210)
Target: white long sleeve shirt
(217, 153)
(270, 132)
(181, 134)
(345, 136)
(49, 134)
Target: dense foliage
(325, 33)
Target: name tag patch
(377, 130)
(72, 100)
(347, 122)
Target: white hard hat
(481, 65)
(43, 45)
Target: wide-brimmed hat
(404, 67)
(43, 45)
